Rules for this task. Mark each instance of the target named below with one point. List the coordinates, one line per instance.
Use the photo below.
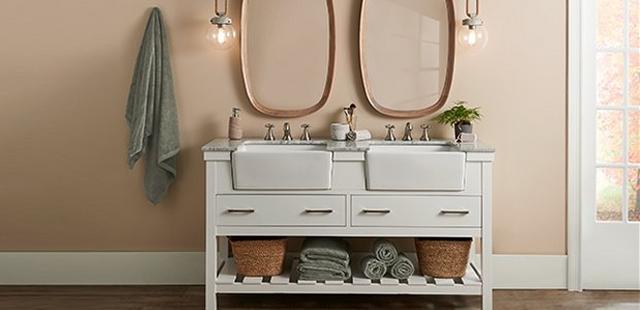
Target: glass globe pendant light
(473, 34)
(221, 33)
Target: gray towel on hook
(151, 112)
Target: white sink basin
(428, 166)
(272, 166)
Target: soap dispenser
(235, 130)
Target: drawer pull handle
(455, 212)
(323, 211)
(244, 211)
(376, 211)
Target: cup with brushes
(348, 130)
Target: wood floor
(192, 297)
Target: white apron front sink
(272, 166)
(415, 166)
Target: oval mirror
(407, 52)
(287, 55)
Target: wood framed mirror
(407, 51)
(287, 55)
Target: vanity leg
(211, 240)
(487, 287)
(211, 269)
(487, 243)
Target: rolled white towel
(362, 135)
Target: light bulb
(473, 35)
(222, 36)
(473, 39)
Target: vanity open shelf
(229, 281)
(444, 190)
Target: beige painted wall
(65, 69)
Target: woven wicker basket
(258, 257)
(443, 257)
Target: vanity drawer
(280, 210)
(415, 211)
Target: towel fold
(323, 271)
(325, 249)
(151, 112)
(324, 259)
(385, 251)
(403, 268)
(373, 268)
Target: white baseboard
(183, 268)
(101, 268)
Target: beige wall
(65, 69)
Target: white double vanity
(346, 189)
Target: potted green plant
(460, 118)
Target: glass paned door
(610, 144)
(617, 110)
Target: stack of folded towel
(323, 259)
(387, 260)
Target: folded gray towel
(403, 268)
(385, 251)
(322, 271)
(324, 259)
(333, 250)
(151, 112)
(373, 268)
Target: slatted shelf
(229, 281)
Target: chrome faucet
(269, 136)
(305, 132)
(390, 135)
(425, 132)
(287, 132)
(407, 132)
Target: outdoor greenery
(459, 114)
(615, 69)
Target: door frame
(574, 143)
(579, 74)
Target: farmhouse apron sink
(430, 166)
(277, 166)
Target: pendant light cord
(469, 14)
(226, 8)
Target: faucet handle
(408, 126)
(425, 132)
(269, 136)
(390, 135)
(287, 132)
(407, 132)
(305, 132)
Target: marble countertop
(226, 145)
